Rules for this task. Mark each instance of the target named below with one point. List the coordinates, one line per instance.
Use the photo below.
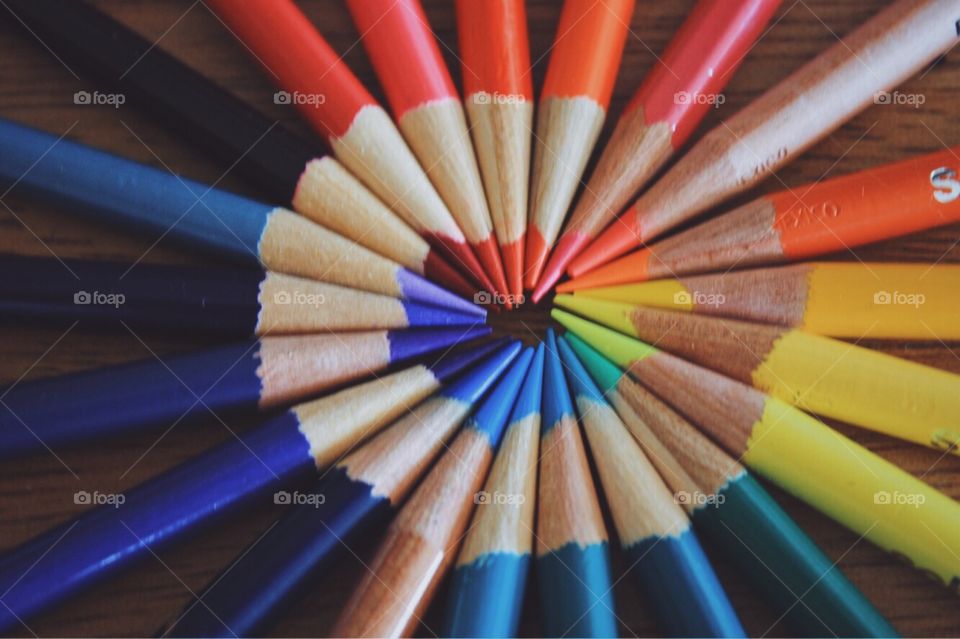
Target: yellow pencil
(836, 379)
(840, 299)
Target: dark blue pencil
(285, 449)
(663, 551)
(247, 376)
(90, 181)
(362, 489)
(573, 566)
(239, 301)
(488, 580)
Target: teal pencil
(573, 566)
(488, 581)
(727, 505)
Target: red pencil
(427, 108)
(672, 100)
(498, 95)
(573, 106)
(313, 78)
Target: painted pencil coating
(361, 490)
(728, 506)
(498, 98)
(573, 106)
(404, 53)
(111, 187)
(573, 569)
(799, 453)
(107, 539)
(684, 84)
(780, 125)
(665, 555)
(844, 381)
(190, 104)
(489, 578)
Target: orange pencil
(576, 94)
(312, 77)
(427, 108)
(877, 204)
(498, 94)
(675, 96)
(785, 121)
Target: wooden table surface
(37, 493)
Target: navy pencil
(257, 375)
(285, 449)
(363, 488)
(243, 302)
(93, 182)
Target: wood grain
(39, 492)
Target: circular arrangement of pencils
(538, 360)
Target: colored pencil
(822, 375)
(286, 166)
(824, 217)
(780, 124)
(488, 581)
(117, 190)
(498, 97)
(728, 506)
(684, 84)
(257, 375)
(815, 463)
(576, 94)
(429, 113)
(573, 565)
(362, 490)
(284, 450)
(243, 302)
(841, 299)
(334, 102)
(421, 543)
(664, 554)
